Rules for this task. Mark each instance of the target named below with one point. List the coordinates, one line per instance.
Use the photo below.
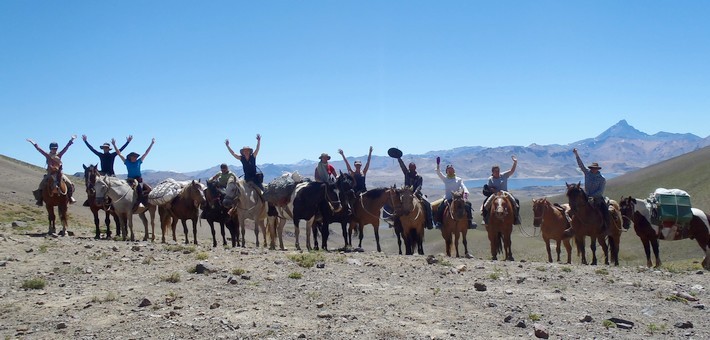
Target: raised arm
(579, 161)
(128, 140)
(347, 164)
(258, 144)
(86, 141)
(226, 142)
(66, 147)
(367, 164)
(44, 153)
(118, 152)
(152, 141)
(512, 169)
(405, 171)
(438, 172)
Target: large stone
(540, 331)
(480, 287)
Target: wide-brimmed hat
(358, 163)
(324, 155)
(594, 165)
(53, 145)
(394, 153)
(106, 145)
(133, 154)
(246, 148)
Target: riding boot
(517, 216)
(38, 196)
(484, 213)
(70, 193)
(427, 214)
(469, 214)
(86, 203)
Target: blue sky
(315, 76)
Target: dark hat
(133, 154)
(358, 163)
(324, 155)
(394, 153)
(245, 148)
(53, 145)
(106, 145)
(594, 165)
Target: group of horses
(321, 204)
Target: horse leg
(345, 235)
(420, 242)
(568, 247)
(456, 243)
(377, 236)
(130, 225)
(311, 229)
(579, 240)
(399, 239)
(243, 230)
(361, 229)
(184, 229)
(549, 251)
(465, 243)
(507, 244)
(144, 220)
(447, 242)
(97, 223)
(194, 229)
(296, 232)
(593, 247)
(280, 232)
(262, 225)
(656, 252)
(493, 238)
(210, 222)
(51, 217)
(605, 248)
(63, 218)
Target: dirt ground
(78, 287)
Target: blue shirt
(134, 168)
(594, 183)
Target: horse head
(538, 211)
(194, 192)
(627, 207)
(345, 184)
(501, 206)
(576, 195)
(402, 199)
(457, 207)
(90, 174)
(101, 187)
(332, 197)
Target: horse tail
(500, 243)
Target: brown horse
(90, 174)
(185, 206)
(552, 222)
(587, 220)
(366, 210)
(500, 224)
(410, 219)
(637, 211)
(56, 196)
(214, 211)
(455, 223)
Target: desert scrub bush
(110, 297)
(541, 269)
(307, 260)
(238, 271)
(677, 299)
(602, 271)
(201, 256)
(34, 283)
(566, 269)
(534, 317)
(172, 278)
(608, 324)
(653, 328)
(295, 276)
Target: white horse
(123, 197)
(248, 204)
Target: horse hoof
(469, 256)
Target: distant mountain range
(619, 149)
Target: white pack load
(165, 191)
(279, 190)
(670, 206)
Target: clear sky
(315, 76)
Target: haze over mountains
(619, 149)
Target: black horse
(213, 210)
(345, 185)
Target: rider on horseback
(223, 176)
(324, 171)
(453, 183)
(358, 174)
(594, 184)
(499, 182)
(247, 156)
(133, 165)
(54, 168)
(106, 157)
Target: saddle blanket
(280, 189)
(165, 191)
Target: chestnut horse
(455, 223)
(500, 224)
(56, 196)
(637, 211)
(366, 210)
(411, 218)
(552, 222)
(586, 220)
(185, 206)
(90, 174)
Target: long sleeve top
(594, 183)
(452, 185)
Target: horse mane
(374, 193)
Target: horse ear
(82, 164)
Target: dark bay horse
(214, 211)
(56, 196)
(90, 174)
(587, 220)
(637, 211)
(411, 218)
(366, 210)
(455, 224)
(185, 206)
(500, 225)
(552, 221)
(345, 184)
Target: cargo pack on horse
(455, 224)
(90, 174)
(410, 221)
(214, 211)
(185, 206)
(366, 210)
(500, 224)
(637, 210)
(248, 204)
(587, 220)
(123, 197)
(345, 185)
(552, 221)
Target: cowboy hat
(594, 165)
(133, 154)
(394, 153)
(358, 163)
(106, 145)
(53, 145)
(324, 155)
(246, 148)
